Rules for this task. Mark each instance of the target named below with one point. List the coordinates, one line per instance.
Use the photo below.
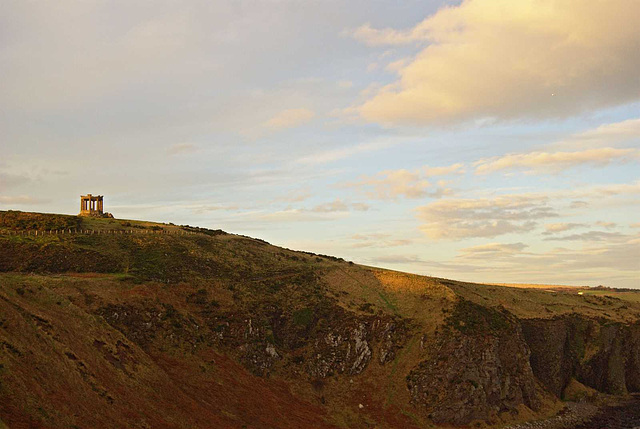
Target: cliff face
(482, 361)
(478, 368)
(598, 353)
(323, 342)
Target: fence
(72, 231)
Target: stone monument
(92, 205)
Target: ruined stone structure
(92, 205)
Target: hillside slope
(133, 324)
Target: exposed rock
(390, 342)
(349, 345)
(271, 351)
(601, 355)
(343, 349)
(475, 373)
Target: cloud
(604, 135)
(378, 240)
(297, 215)
(9, 180)
(590, 236)
(606, 225)
(373, 37)
(541, 162)
(294, 196)
(182, 148)
(444, 171)
(289, 118)
(608, 190)
(578, 204)
(391, 184)
(339, 206)
(552, 228)
(347, 152)
(611, 262)
(211, 208)
(334, 206)
(506, 60)
(397, 259)
(361, 207)
(22, 200)
(492, 250)
(330, 211)
(483, 217)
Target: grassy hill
(118, 323)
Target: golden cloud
(537, 162)
(289, 118)
(391, 184)
(483, 217)
(504, 59)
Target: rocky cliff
(599, 353)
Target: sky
(478, 140)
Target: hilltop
(122, 323)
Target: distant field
(633, 296)
(538, 286)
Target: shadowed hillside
(135, 324)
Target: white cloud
(444, 171)
(296, 215)
(610, 190)
(397, 259)
(602, 136)
(492, 250)
(545, 162)
(347, 152)
(334, 206)
(378, 240)
(182, 148)
(590, 236)
(552, 228)
(338, 205)
(9, 180)
(391, 184)
(295, 196)
(505, 59)
(606, 225)
(211, 208)
(394, 183)
(22, 200)
(290, 118)
(483, 217)
(361, 207)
